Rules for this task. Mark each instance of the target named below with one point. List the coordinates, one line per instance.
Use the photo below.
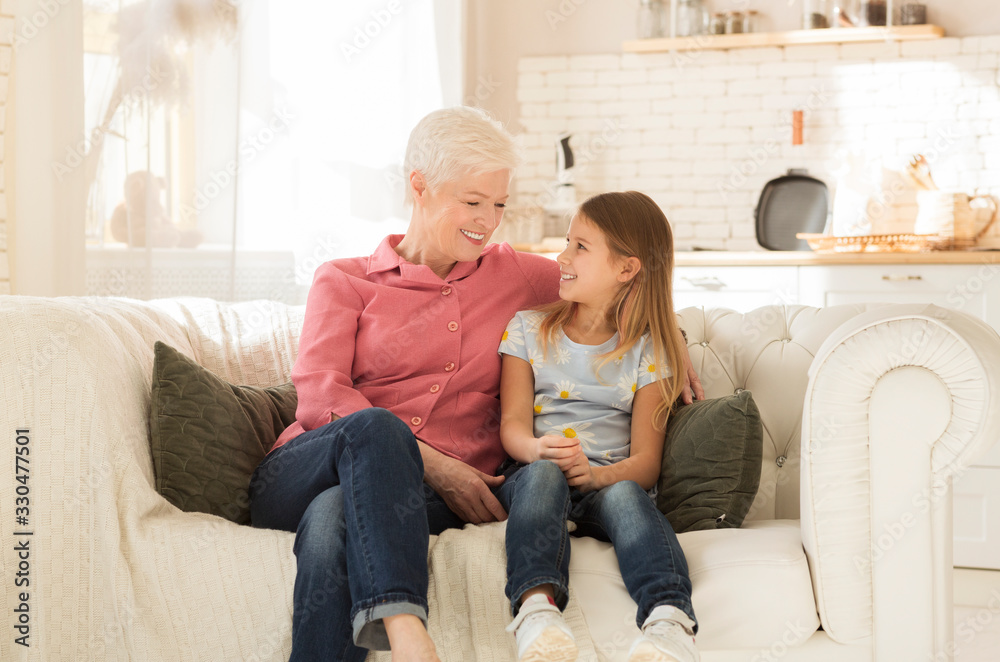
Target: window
(228, 155)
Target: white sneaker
(666, 637)
(542, 634)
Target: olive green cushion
(711, 463)
(208, 436)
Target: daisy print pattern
(535, 359)
(647, 368)
(543, 404)
(566, 390)
(577, 430)
(627, 386)
(562, 355)
(511, 339)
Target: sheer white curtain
(229, 158)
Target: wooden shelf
(790, 38)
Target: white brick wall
(702, 132)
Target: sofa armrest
(900, 400)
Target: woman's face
(461, 215)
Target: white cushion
(751, 588)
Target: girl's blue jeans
(539, 502)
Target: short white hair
(453, 141)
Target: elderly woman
(397, 431)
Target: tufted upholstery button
(704, 343)
(446, 290)
(416, 420)
(780, 461)
(449, 366)
(738, 391)
(786, 340)
(453, 326)
(435, 388)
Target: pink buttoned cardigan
(382, 332)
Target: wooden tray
(884, 243)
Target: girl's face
(463, 214)
(589, 273)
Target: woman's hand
(559, 449)
(580, 474)
(692, 384)
(465, 489)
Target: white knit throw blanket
(116, 572)
(468, 609)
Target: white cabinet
(973, 287)
(738, 288)
(967, 287)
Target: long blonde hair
(634, 226)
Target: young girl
(585, 390)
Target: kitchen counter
(809, 258)
(797, 258)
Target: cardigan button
(446, 290)
(449, 366)
(416, 420)
(453, 326)
(435, 388)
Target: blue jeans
(353, 493)
(539, 501)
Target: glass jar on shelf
(750, 21)
(651, 19)
(718, 23)
(692, 18)
(734, 22)
(871, 12)
(816, 14)
(913, 13)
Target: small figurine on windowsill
(142, 215)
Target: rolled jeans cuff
(369, 628)
(559, 590)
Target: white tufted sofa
(868, 413)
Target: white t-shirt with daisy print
(569, 398)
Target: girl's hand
(559, 449)
(580, 474)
